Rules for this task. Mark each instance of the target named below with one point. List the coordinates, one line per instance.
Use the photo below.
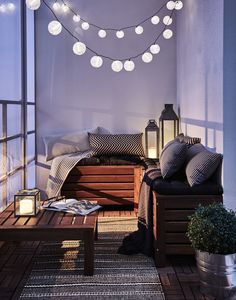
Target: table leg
(96, 231)
(89, 253)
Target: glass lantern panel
(169, 131)
(24, 205)
(152, 144)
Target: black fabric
(177, 187)
(141, 241)
(111, 160)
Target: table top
(46, 219)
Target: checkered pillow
(202, 166)
(117, 144)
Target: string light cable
(79, 48)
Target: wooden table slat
(35, 220)
(56, 219)
(67, 219)
(21, 221)
(4, 216)
(10, 220)
(45, 219)
(79, 220)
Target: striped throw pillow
(188, 139)
(117, 144)
(202, 166)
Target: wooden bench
(108, 185)
(52, 226)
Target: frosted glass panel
(10, 45)
(2, 161)
(31, 176)
(14, 154)
(30, 117)
(13, 119)
(1, 133)
(14, 184)
(169, 132)
(2, 198)
(30, 146)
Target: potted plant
(212, 232)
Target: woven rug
(57, 271)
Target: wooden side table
(52, 226)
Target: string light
(117, 64)
(56, 6)
(54, 27)
(170, 5)
(64, 8)
(11, 6)
(76, 18)
(178, 5)
(33, 4)
(3, 8)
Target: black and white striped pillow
(117, 144)
(188, 139)
(202, 166)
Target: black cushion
(111, 161)
(177, 187)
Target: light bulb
(129, 65)
(147, 57)
(155, 49)
(155, 20)
(79, 48)
(117, 65)
(76, 18)
(56, 6)
(65, 8)
(2, 8)
(33, 4)
(85, 25)
(54, 27)
(120, 34)
(167, 20)
(11, 6)
(170, 5)
(102, 33)
(167, 34)
(178, 5)
(96, 61)
(139, 30)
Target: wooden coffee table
(52, 226)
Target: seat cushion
(177, 187)
(111, 161)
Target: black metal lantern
(169, 125)
(152, 139)
(27, 203)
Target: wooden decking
(179, 278)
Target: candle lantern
(169, 125)
(152, 139)
(27, 203)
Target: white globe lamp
(117, 66)
(170, 5)
(102, 33)
(85, 25)
(54, 27)
(147, 57)
(155, 49)
(33, 4)
(120, 34)
(167, 34)
(178, 5)
(167, 20)
(129, 65)
(79, 48)
(76, 18)
(56, 6)
(155, 20)
(96, 61)
(139, 29)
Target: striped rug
(57, 271)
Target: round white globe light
(170, 5)
(76, 18)
(147, 57)
(2, 8)
(33, 4)
(102, 33)
(54, 27)
(178, 5)
(167, 34)
(56, 6)
(155, 49)
(117, 65)
(64, 8)
(139, 29)
(96, 61)
(120, 34)
(79, 48)
(167, 20)
(85, 25)
(155, 20)
(11, 6)
(129, 65)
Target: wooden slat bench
(108, 185)
(52, 226)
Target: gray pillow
(194, 150)
(202, 166)
(57, 145)
(172, 158)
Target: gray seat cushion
(111, 161)
(177, 187)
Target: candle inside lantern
(26, 207)
(152, 153)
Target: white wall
(230, 103)
(200, 70)
(71, 95)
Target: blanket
(60, 168)
(141, 241)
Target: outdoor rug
(57, 270)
